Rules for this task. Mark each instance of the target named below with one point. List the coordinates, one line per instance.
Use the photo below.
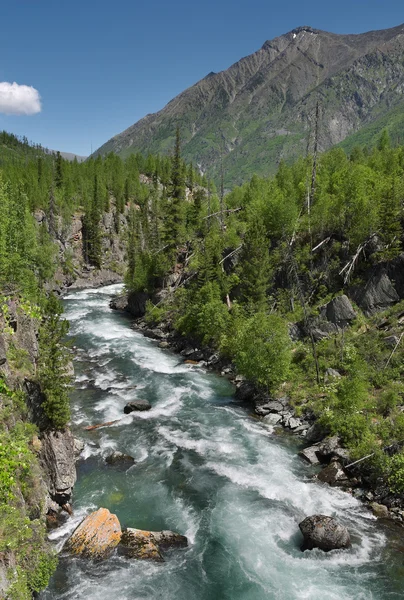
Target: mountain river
(206, 469)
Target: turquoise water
(208, 470)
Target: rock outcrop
(57, 457)
(325, 533)
(377, 294)
(96, 537)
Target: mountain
(70, 156)
(262, 108)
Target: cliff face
(262, 108)
(75, 272)
(38, 464)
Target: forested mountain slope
(262, 108)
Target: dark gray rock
(133, 303)
(119, 458)
(378, 293)
(274, 406)
(294, 423)
(316, 433)
(310, 454)
(245, 392)
(331, 448)
(119, 302)
(335, 475)
(326, 533)
(57, 458)
(273, 419)
(296, 332)
(136, 405)
(340, 311)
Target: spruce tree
(255, 267)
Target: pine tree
(255, 270)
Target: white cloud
(19, 99)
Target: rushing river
(208, 470)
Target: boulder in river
(326, 533)
(136, 543)
(96, 537)
(121, 459)
(147, 545)
(136, 405)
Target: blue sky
(99, 66)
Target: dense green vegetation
(274, 275)
(230, 273)
(22, 527)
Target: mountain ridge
(260, 109)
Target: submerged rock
(119, 458)
(96, 537)
(136, 405)
(325, 533)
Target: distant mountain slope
(261, 109)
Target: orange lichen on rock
(96, 537)
(137, 543)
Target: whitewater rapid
(206, 469)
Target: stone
(294, 423)
(272, 419)
(310, 455)
(164, 344)
(329, 448)
(136, 543)
(261, 411)
(136, 405)
(78, 446)
(340, 311)
(325, 533)
(187, 351)
(119, 302)
(147, 545)
(58, 461)
(379, 510)
(169, 539)
(316, 432)
(245, 392)
(378, 293)
(96, 537)
(120, 458)
(331, 374)
(334, 475)
(274, 406)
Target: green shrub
(262, 350)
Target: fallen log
(107, 424)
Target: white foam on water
(251, 487)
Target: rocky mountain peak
(264, 103)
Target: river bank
(318, 448)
